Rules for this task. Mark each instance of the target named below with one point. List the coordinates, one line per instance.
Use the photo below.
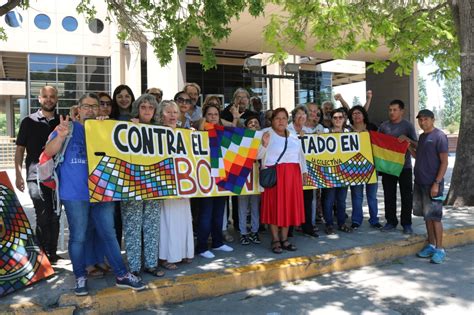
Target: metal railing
(7, 152)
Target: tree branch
(10, 5)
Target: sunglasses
(184, 100)
(105, 103)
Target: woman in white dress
(176, 230)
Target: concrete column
(388, 86)
(9, 113)
(171, 77)
(133, 68)
(117, 63)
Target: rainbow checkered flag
(388, 152)
(233, 153)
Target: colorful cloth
(388, 152)
(233, 153)
(22, 261)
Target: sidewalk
(247, 267)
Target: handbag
(268, 176)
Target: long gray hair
(145, 98)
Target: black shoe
(244, 240)
(81, 287)
(355, 226)
(311, 233)
(377, 226)
(53, 258)
(253, 237)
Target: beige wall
(387, 86)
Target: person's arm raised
(62, 130)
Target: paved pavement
(48, 293)
(408, 285)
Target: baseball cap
(425, 113)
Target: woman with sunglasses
(359, 119)
(105, 104)
(211, 210)
(185, 104)
(336, 195)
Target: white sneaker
(207, 254)
(224, 248)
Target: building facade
(52, 44)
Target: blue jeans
(82, 216)
(357, 197)
(94, 248)
(211, 216)
(335, 195)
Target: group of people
(164, 233)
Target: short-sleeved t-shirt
(73, 171)
(427, 160)
(33, 134)
(404, 127)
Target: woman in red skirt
(283, 204)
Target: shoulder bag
(268, 176)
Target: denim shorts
(424, 205)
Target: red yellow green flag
(388, 152)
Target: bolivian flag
(388, 152)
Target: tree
(411, 30)
(452, 101)
(422, 95)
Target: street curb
(212, 284)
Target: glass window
(96, 26)
(42, 76)
(42, 21)
(43, 58)
(42, 67)
(13, 19)
(70, 60)
(69, 24)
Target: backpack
(46, 167)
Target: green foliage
(411, 31)
(422, 95)
(453, 128)
(452, 101)
(174, 23)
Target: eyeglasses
(105, 103)
(337, 117)
(89, 107)
(184, 100)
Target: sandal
(168, 265)
(187, 260)
(345, 228)
(103, 267)
(330, 230)
(94, 272)
(276, 247)
(154, 271)
(288, 246)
